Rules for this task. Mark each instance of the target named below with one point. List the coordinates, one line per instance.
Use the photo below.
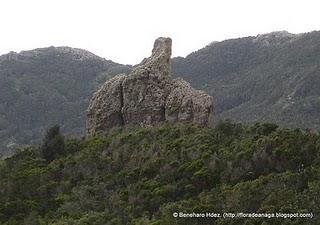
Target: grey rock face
(148, 97)
(184, 104)
(105, 107)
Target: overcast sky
(124, 30)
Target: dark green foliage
(142, 176)
(53, 144)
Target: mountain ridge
(47, 86)
(244, 71)
(250, 80)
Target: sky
(124, 30)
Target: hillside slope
(143, 176)
(273, 77)
(47, 86)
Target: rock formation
(148, 96)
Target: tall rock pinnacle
(159, 63)
(148, 96)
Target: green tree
(53, 144)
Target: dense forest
(142, 176)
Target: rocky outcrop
(184, 104)
(105, 110)
(148, 96)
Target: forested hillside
(142, 176)
(47, 86)
(273, 77)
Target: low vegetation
(142, 176)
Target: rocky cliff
(148, 96)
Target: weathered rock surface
(184, 104)
(148, 96)
(106, 105)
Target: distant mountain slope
(273, 77)
(46, 86)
